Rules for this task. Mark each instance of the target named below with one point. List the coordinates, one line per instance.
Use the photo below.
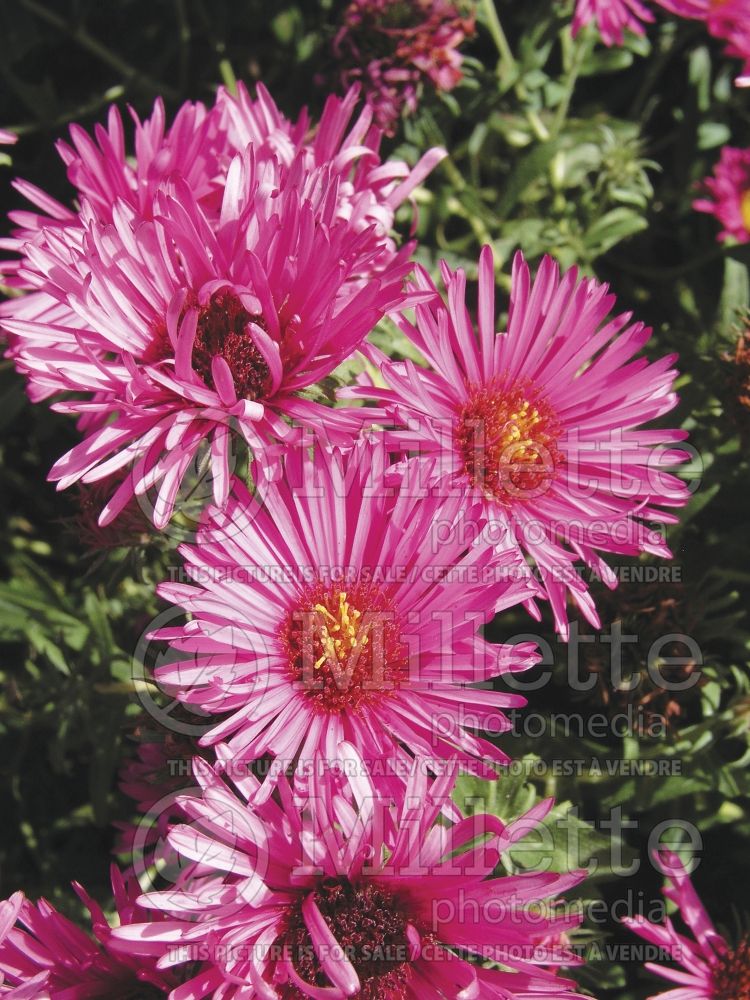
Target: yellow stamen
(745, 209)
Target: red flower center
(731, 974)
(507, 436)
(344, 646)
(370, 925)
(222, 332)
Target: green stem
(579, 53)
(82, 111)
(507, 64)
(82, 38)
(539, 128)
(227, 76)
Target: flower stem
(507, 65)
(576, 52)
(86, 41)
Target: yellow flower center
(507, 436)
(344, 646)
(745, 209)
(338, 632)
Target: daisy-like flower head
(612, 18)
(393, 46)
(184, 330)
(706, 966)
(728, 20)
(727, 194)
(539, 424)
(345, 896)
(44, 954)
(343, 609)
(199, 147)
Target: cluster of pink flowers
(727, 20)
(139, 304)
(393, 47)
(184, 313)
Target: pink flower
(200, 146)
(7, 138)
(370, 190)
(103, 174)
(348, 897)
(333, 196)
(728, 20)
(34, 988)
(710, 968)
(344, 609)
(612, 17)
(540, 424)
(185, 329)
(391, 47)
(728, 194)
(46, 954)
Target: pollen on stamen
(344, 646)
(508, 437)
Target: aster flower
(199, 147)
(728, 20)
(47, 953)
(612, 18)
(186, 331)
(727, 194)
(706, 966)
(343, 609)
(392, 47)
(348, 897)
(539, 424)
